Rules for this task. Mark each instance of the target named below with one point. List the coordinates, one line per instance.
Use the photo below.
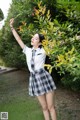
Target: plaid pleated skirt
(40, 83)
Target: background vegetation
(1, 15)
(59, 21)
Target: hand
(11, 22)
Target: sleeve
(25, 49)
(44, 51)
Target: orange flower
(36, 11)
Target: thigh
(50, 98)
(42, 101)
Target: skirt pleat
(40, 83)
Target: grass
(22, 110)
(15, 100)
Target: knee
(44, 108)
(51, 108)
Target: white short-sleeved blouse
(39, 59)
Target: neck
(35, 47)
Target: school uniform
(40, 81)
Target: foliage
(10, 52)
(60, 25)
(1, 15)
(23, 12)
(61, 46)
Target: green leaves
(60, 44)
(60, 24)
(1, 15)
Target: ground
(15, 85)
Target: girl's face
(35, 42)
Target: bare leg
(50, 104)
(42, 100)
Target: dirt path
(67, 103)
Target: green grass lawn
(15, 100)
(22, 110)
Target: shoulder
(26, 49)
(43, 51)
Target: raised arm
(17, 37)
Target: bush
(61, 46)
(23, 12)
(10, 52)
(1, 15)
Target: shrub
(60, 45)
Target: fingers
(11, 21)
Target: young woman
(41, 83)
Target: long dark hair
(41, 38)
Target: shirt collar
(36, 49)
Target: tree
(1, 15)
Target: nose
(32, 40)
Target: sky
(4, 5)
